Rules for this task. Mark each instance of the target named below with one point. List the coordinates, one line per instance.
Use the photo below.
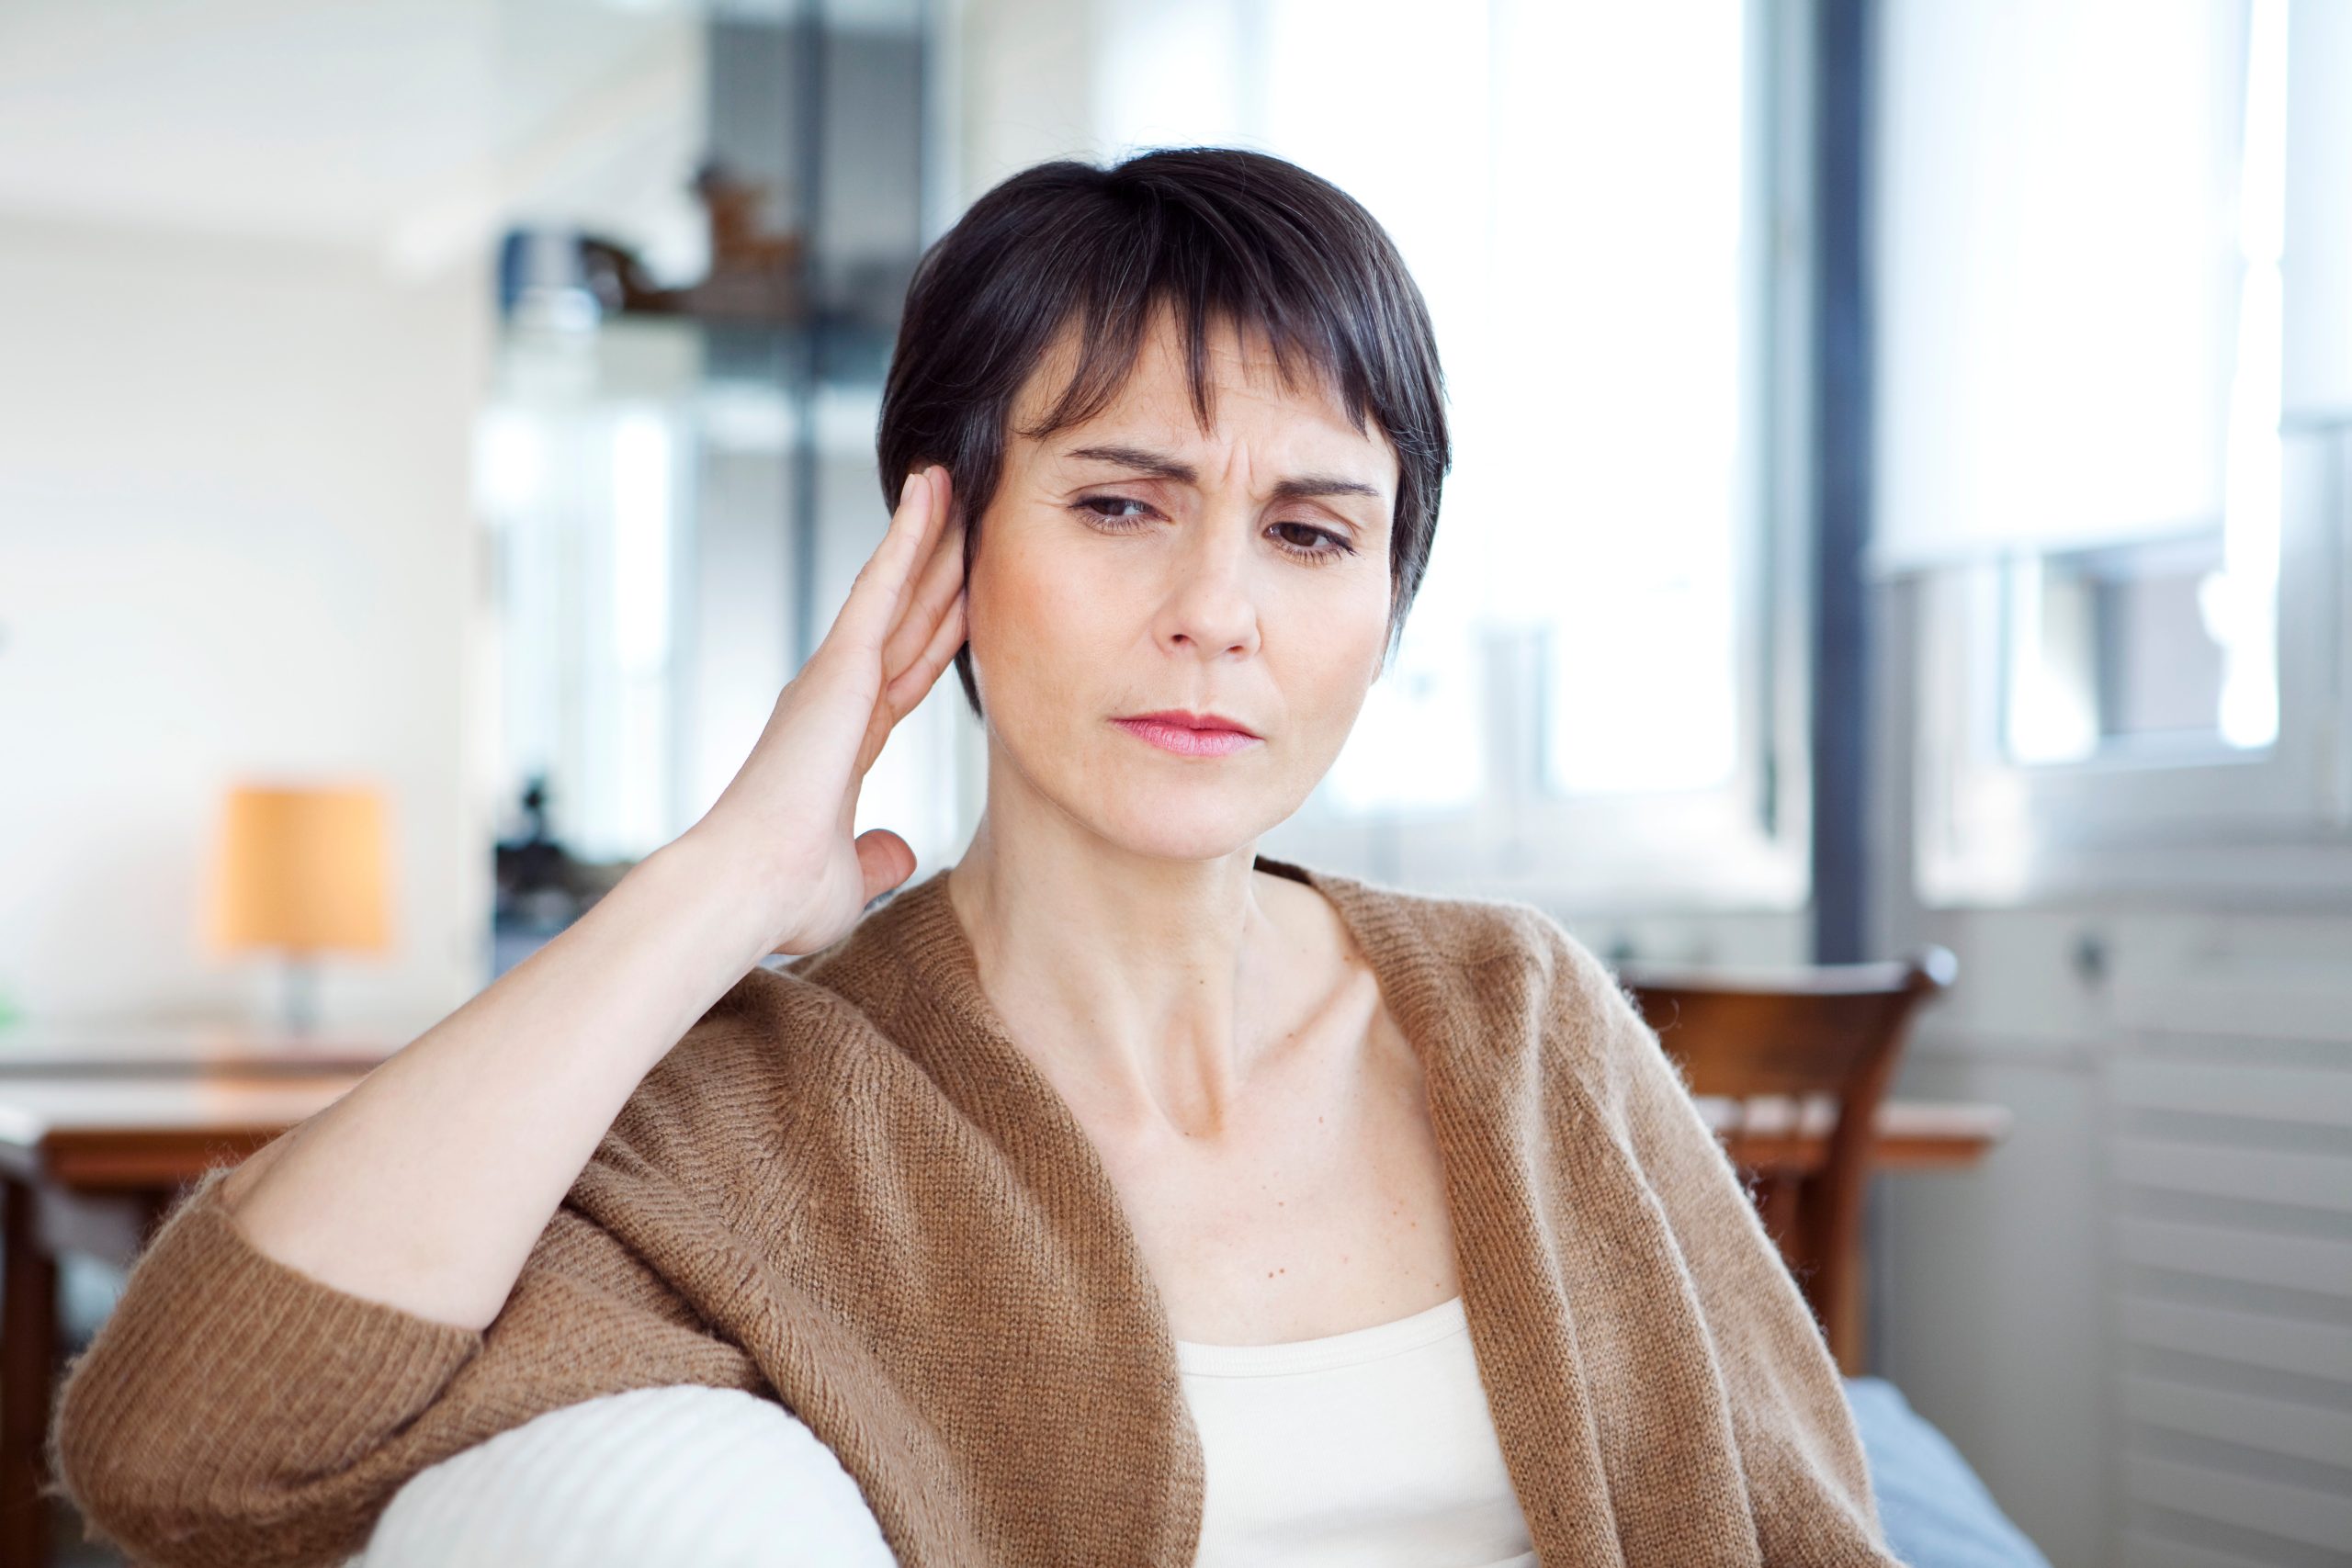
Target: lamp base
(300, 1013)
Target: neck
(1148, 985)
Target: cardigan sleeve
(235, 1411)
(1807, 1480)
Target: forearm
(425, 1186)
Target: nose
(1210, 608)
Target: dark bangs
(1220, 237)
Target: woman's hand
(427, 1185)
(788, 816)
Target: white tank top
(1373, 1448)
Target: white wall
(235, 538)
(1025, 88)
(2135, 1317)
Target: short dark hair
(1219, 235)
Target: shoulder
(1464, 931)
(1596, 1033)
(1515, 969)
(1406, 923)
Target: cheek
(1338, 655)
(1031, 623)
(1333, 621)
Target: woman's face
(1137, 563)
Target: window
(1594, 699)
(2168, 648)
(2126, 555)
(2127, 652)
(581, 482)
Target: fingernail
(907, 490)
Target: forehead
(1244, 389)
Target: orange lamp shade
(301, 869)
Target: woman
(1005, 1188)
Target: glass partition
(675, 463)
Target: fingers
(879, 591)
(907, 688)
(942, 579)
(901, 695)
(885, 859)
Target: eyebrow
(1162, 467)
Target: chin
(1176, 819)
(1163, 841)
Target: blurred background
(1903, 498)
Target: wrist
(702, 898)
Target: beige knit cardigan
(847, 1189)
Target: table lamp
(301, 869)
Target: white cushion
(657, 1477)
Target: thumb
(886, 859)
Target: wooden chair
(1794, 1046)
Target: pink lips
(1188, 734)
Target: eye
(1303, 542)
(1106, 510)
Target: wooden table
(100, 1124)
(90, 1160)
(145, 1048)
(1913, 1135)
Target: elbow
(182, 1493)
(233, 1410)
(98, 1458)
(136, 1487)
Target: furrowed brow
(1306, 486)
(1158, 465)
(1162, 467)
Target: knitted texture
(846, 1189)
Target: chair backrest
(1825, 1030)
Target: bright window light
(1571, 192)
(2160, 647)
(2241, 602)
(641, 503)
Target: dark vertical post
(1842, 436)
(806, 367)
(28, 1377)
(1843, 432)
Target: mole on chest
(1271, 1262)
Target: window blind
(2058, 269)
